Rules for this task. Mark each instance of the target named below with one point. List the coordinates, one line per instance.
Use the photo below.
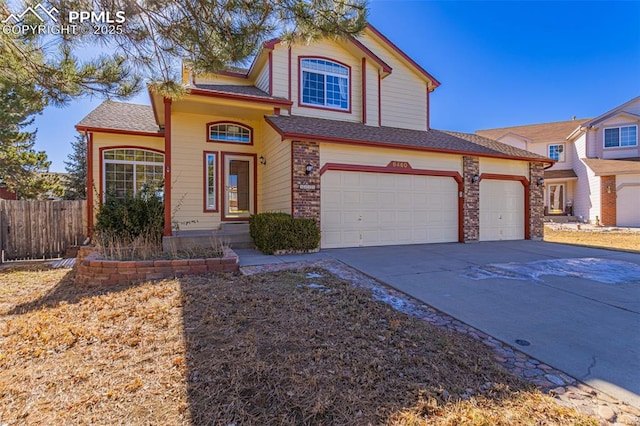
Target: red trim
(276, 111)
(270, 44)
(292, 168)
(364, 90)
(109, 148)
(301, 105)
(270, 73)
(385, 67)
(526, 187)
(428, 124)
(379, 100)
(212, 94)
(237, 123)
(204, 183)
(395, 48)
(232, 74)
(390, 169)
(289, 87)
(255, 185)
(119, 131)
(90, 193)
(167, 167)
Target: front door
(556, 198)
(239, 178)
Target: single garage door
(501, 210)
(628, 206)
(376, 209)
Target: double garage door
(376, 209)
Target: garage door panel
(628, 205)
(387, 209)
(501, 210)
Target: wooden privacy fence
(40, 229)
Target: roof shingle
(536, 132)
(431, 140)
(613, 167)
(121, 116)
(238, 90)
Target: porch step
(236, 235)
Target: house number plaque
(399, 165)
(308, 187)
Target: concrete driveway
(584, 320)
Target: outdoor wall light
(540, 181)
(475, 178)
(608, 189)
(308, 169)
(263, 160)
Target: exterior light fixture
(540, 181)
(608, 189)
(308, 169)
(263, 160)
(475, 178)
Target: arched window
(229, 132)
(324, 84)
(126, 170)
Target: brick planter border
(93, 271)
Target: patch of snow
(595, 269)
(313, 275)
(319, 287)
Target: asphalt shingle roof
(537, 132)
(435, 140)
(121, 116)
(559, 174)
(603, 167)
(238, 90)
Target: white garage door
(501, 210)
(376, 209)
(628, 206)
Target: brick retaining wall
(93, 271)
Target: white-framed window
(556, 152)
(622, 136)
(229, 132)
(127, 170)
(210, 181)
(324, 83)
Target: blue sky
(500, 63)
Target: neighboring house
(337, 131)
(597, 171)
(6, 194)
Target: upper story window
(324, 84)
(127, 171)
(229, 132)
(621, 136)
(556, 152)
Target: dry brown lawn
(618, 240)
(229, 349)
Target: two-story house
(596, 176)
(336, 130)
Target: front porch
(235, 235)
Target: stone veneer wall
(93, 271)
(536, 202)
(608, 201)
(471, 209)
(305, 188)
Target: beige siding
(504, 167)
(404, 93)
(514, 141)
(188, 147)
(262, 82)
(613, 153)
(108, 140)
(280, 58)
(372, 94)
(274, 188)
(330, 50)
(347, 154)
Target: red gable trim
(422, 71)
(385, 67)
(119, 131)
(212, 94)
